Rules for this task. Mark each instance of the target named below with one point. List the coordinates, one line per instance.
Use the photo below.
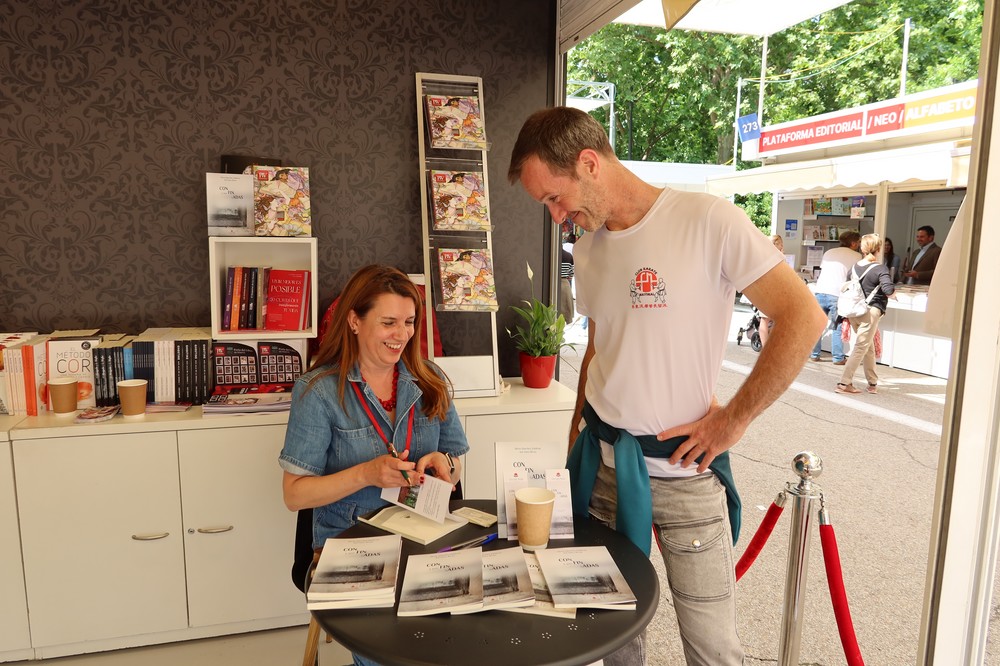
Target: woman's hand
(388, 472)
(436, 464)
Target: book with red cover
(287, 300)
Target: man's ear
(589, 162)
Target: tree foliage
(676, 90)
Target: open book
(404, 522)
(429, 499)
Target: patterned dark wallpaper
(111, 112)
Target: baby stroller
(752, 331)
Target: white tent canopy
(946, 164)
(738, 17)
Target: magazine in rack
(459, 200)
(455, 121)
(467, 279)
(457, 224)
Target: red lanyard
(378, 429)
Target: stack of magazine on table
(247, 403)
(356, 573)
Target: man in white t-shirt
(832, 275)
(657, 275)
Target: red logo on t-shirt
(648, 290)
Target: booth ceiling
(578, 19)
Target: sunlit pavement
(880, 458)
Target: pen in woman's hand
(392, 452)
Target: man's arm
(798, 322)
(574, 424)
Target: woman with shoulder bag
(865, 326)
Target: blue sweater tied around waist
(634, 515)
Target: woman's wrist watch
(451, 465)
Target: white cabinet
(285, 253)
(15, 642)
(101, 536)
(238, 535)
(519, 415)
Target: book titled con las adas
(442, 583)
(287, 300)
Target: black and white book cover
(506, 581)
(442, 583)
(585, 577)
(229, 198)
(543, 598)
(356, 568)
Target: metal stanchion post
(808, 466)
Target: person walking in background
(892, 261)
(832, 275)
(924, 260)
(657, 272)
(566, 306)
(764, 329)
(866, 326)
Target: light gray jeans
(691, 524)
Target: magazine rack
(474, 375)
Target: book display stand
(455, 213)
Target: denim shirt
(324, 437)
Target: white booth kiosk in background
(902, 163)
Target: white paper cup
(534, 516)
(63, 392)
(132, 395)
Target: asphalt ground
(880, 457)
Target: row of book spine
(175, 362)
(245, 300)
(262, 298)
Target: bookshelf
(276, 252)
(473, 375)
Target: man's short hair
(849, 238)
(927, 229)
(557, 136)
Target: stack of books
(585, 577)
(356, 573)
(247, 403)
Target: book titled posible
(287, 300)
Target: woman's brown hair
(338, 350)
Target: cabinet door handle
(213, 530)
(150, 537)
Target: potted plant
(539, 338)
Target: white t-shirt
(661, 296)
(833, 270)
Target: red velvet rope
(759, 539)
(835, 577)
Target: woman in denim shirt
(369, 385)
